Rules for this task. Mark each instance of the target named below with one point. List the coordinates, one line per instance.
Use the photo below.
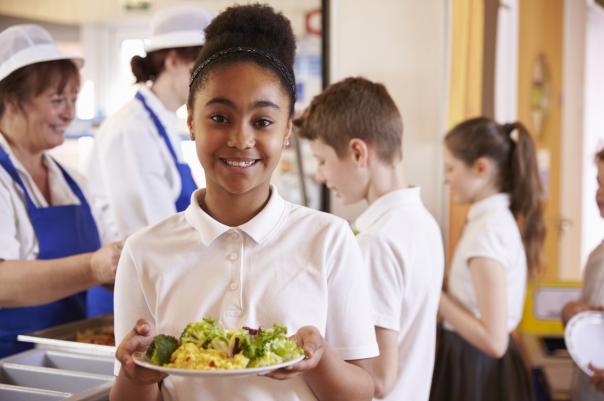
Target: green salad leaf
(263, 347)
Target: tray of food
(205, 349)
(93, 335)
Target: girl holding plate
(240, 253)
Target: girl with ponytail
(493, 168)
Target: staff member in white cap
(136, 169)
(50, 244)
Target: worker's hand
(103, 263)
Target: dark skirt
(464, 373)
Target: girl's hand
(313, 344)
(138, 339)
(597, 379)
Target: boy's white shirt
(490, 232)
(403, 250)
(289, 265)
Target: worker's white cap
(178, 26)
(25, 44)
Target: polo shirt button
(233, 312)
(233, 286)
(233, 256)
(234, 235)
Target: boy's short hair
(354, 108)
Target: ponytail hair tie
(511, 130)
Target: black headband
(275, 62)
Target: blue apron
(61, 231)
(188, 185)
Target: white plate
(141, 360)
(584, 338)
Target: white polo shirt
(131, 171)
(593, 277)
(402, 246)
(290, 265)
(17, 236)
(490, 232)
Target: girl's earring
(191, 136)
(286, 144)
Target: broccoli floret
(161, 349)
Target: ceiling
(76, 12)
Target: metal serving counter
(59, 368)
(41, 374)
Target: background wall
(592, 225)
(575, 15)
(541, 33)
(383, 44)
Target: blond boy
(355, 132)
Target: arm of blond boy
(489, 332)
(326, 373)
(383, 368)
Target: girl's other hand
(138, 339)
(574, 307)
(597, 379)
(313, 344)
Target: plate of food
(205, 349)
(584, 338)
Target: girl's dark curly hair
(254, 26)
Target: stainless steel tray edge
(64, 345)
(99, 393)
(65, 372)
(33, 390)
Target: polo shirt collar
(258, 228)
(391, 200)
(493, 202)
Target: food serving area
(69, 362)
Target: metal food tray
(47, 375)
(63, 337)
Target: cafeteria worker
(137, 172)
(50, 243)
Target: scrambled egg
(189, 356)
